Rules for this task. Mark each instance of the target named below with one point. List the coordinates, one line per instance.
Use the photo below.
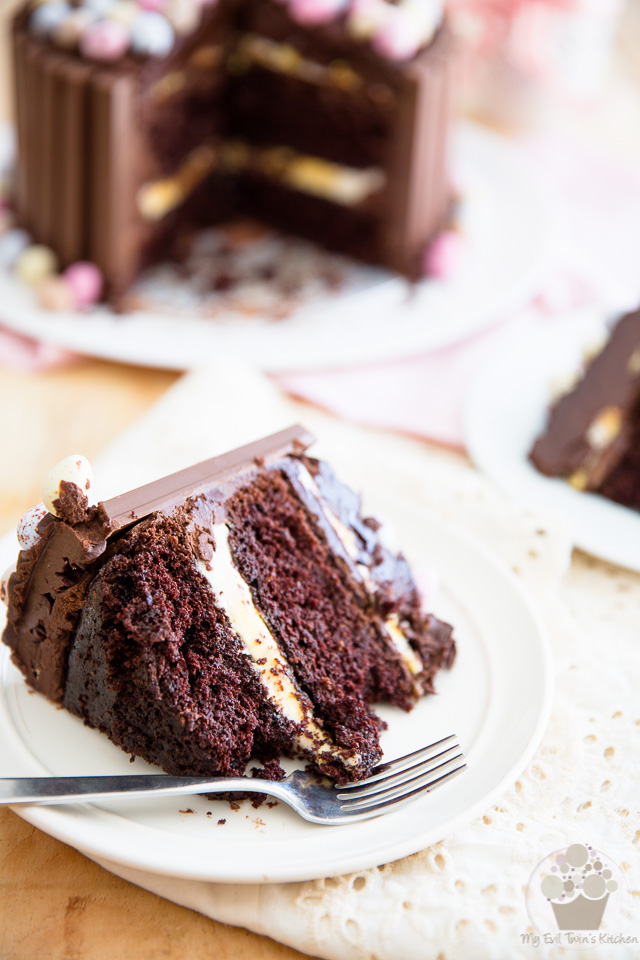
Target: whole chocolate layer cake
(323, 118)
(243, 608)
(593, 434)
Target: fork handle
(49, 790)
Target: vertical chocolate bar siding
(162, 494)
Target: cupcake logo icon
(578, 887)
(577, 896)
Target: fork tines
(400, 780)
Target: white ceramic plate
(496, 698)
(506, 410)
(505, 215)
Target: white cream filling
(285, 59)
(402, 645)
(345, 186)
(234, 597)
(348, 539)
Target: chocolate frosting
(48, 588)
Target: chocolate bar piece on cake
(324, 120)
(593, 433)
(243, 608)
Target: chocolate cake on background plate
(240, 609)
(592, 437)
(325, 119)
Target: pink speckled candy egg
(85, 280)
(311, 12)
(443, 257)
(27, 532)
(156, 6)
(398, 38)
(105, 41)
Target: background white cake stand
(506, 217)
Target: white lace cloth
(463, 897)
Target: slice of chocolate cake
(593, 434)
(243, 608)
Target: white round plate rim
(105, 835)
(384, 321)
(511, 393)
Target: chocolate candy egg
(68, 33)
(444, 255)
(6, 220)
(124, 11)
(151, 35)
(398, 38)
(184, 15)
(86, 282)
(47, 17)
(366, 17)
(105, 41)
(311, 12)
(99, 7)
(54, 293)
(35, 263)
(27, 531)
(73, 469)
(12, 243)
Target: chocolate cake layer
(156, 665)
(241, 608)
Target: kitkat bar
(165, 493)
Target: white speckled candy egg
(12, 243)
(27, 533)
(35, 263)
(74, 469)
(47, 17)
(151, 35)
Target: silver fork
(389, 786)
